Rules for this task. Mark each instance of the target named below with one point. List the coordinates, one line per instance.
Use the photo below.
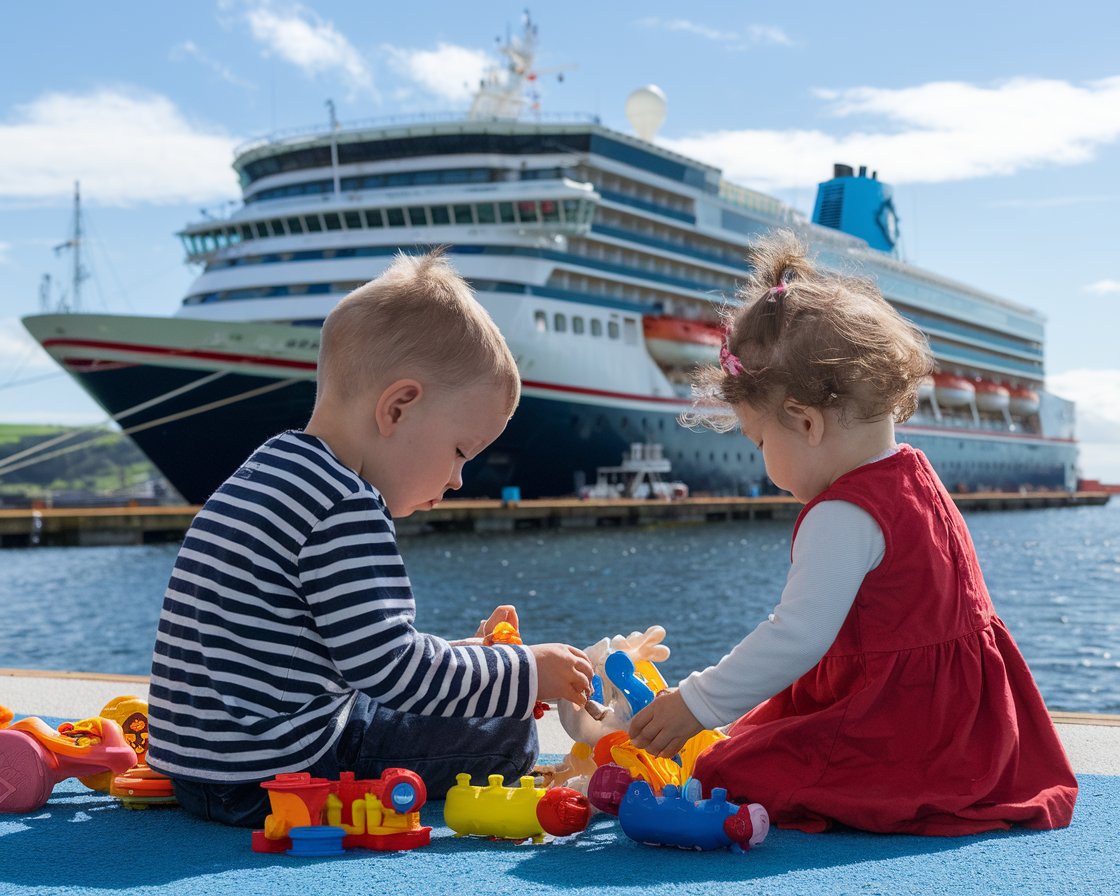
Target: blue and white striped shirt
(288, 596)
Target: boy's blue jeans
(375, 739)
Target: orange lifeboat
(677, 342)
(953, 391)
(925, 389)
(1023, 401)
(992, 398)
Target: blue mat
(84, 842)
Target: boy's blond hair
(418, 319)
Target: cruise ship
(604, 258)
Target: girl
(883, 693)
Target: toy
(505, 633)
(380, 814)
(610, 707)
(141, 787)
(35, 757)
(131, 713)
(679, 818)
(514, 813)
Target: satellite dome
(645, 108)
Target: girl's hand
(664, 726)
(504, 613)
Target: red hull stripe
(224, 357)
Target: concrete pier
(1092, 741)
(23, 527)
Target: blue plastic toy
(621, 671)
(679, 818)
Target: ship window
(540, 321)
(373, 218)
(559, 323)
(596, 327)
(505, 212)
(630, 331)
(485, 213)
(314, 225)
(399, 180)
(246, 232)
(527, 212)
(418, 216)
(612, 329)
(439, 214)
(354, 220)
(333, 221)
(295, 225)
(395, 216)
(577, 324)
(549, 211)
(463, 214)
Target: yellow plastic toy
(514, 813)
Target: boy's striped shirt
(288, 596)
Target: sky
(997, 123)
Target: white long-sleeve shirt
(837, 544)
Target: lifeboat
(676, 342)
(953, 391)
(991, 398)
(1023, 401)
(925, 389)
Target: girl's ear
(806, 420)
(397, 401)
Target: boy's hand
(563, 673)
(663, 727)
(504, 613)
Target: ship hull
(197, 413)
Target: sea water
(1054, 576)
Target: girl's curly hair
(821, 338)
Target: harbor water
(1054, 576)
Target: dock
(91, 526)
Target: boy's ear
(396, 401)
(806, 420)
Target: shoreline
(1091, 740)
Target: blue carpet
(84, 842)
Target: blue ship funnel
(858, 204)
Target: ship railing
(291, 135)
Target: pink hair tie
(731, 365)
(774, 291)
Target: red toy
(381, 814)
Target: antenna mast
(78, 273)
(501, 92)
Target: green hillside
(98, 460)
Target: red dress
(922, 717)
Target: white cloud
(5, 248)
(935, 132)
(1097, 395)
(190, 50)
(124, 146)
(752, 34)
(297, 35)
(20, 353)
(449, 72)
(1101, 287)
